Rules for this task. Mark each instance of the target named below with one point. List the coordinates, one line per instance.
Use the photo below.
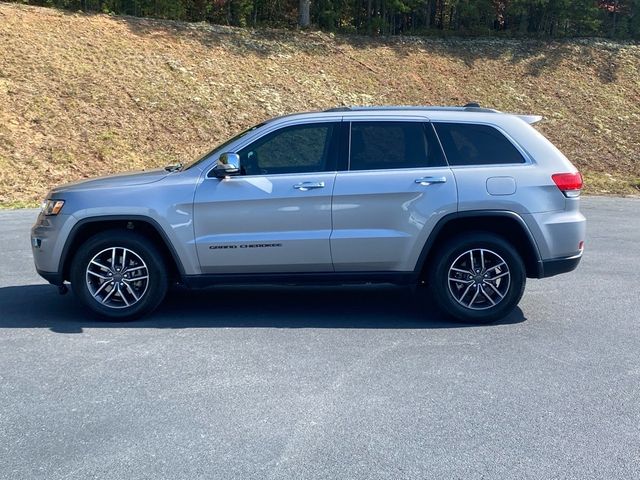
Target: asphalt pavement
(365, 382)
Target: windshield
(223, 146)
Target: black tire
(148, 299)
(482, 310)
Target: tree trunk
(451, 12)
(524, 22)
(615, 18)
(427, 14)
(255, 12)
(304, 19)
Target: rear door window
(471, 144)
(385, 145)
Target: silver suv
(467, 201)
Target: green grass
(19, 204)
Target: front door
(276, 216)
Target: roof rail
(470, 107)
(338, 109)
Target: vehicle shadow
(374, 306)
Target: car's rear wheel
(477, 278)
(119, 274)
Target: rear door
(396, 188)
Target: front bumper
(54, 278)
(47, 241)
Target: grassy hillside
(85, 95)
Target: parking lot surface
(327, 382)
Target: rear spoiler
(530, 119)
(475, 107)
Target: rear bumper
(556, 266)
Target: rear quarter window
(470, 144)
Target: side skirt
(328, 278)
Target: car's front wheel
(477, 278)
(119, 274)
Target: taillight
(568, 183)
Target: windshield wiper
(175, 167)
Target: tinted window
(301, 148)
(468, 144)
(382, 145)
(223, 146)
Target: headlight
(52, 207)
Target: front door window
(296, 149)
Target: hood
(118, 180)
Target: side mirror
(228, 164)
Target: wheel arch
(146, 226)
(508, 225)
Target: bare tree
(304, 17)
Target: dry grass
(86, 95)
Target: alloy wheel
(479, 279)
(117, 277)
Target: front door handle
(304, 186)
(424, 181)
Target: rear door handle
(424, 181)
(304, 186)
